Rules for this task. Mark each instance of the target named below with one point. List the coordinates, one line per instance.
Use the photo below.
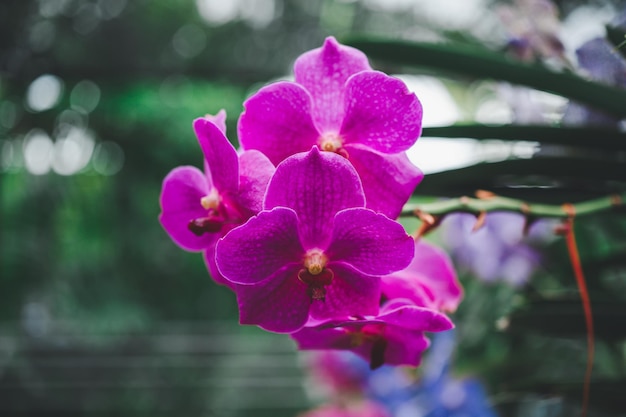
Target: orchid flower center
(315, 274)
(212, 200)
(214, 220)
(332, 142)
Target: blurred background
(100, 312)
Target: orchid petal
(388, 180)
(218, 120)
(380, 113)
(278, 304)
(430, 280)
(404, 347)
(416, 318)
(350, 293)
(370, 242)
(309, 338)
(216, 275)
(259, 248)
(220, 155)
(316, 185)
(323, 72)
(255, 171)
(183, 188)
(277, 121)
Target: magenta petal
(278, 304)
(351, 293)
(416, 318)
(218, 120)
(259, 248)
(309, 338)
(388, 180)
(381, 113)
(209, 261)
(183, 188)
(370, 242)
(430, 280)
(255, 171)
(404, 347)
(219, 154)
(277, 121)
(323, 72)
(316, 185)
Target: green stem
(497, 203)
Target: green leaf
(538, 179)
(590, 137)
(482, 63)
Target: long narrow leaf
(590, 137)
(481, 63)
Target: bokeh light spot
(38, 149)
(44, 93)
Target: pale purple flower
(314, 250)
(197, 208)
(393, 337)
(339, 104)
(429, 281)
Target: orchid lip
(202, 225)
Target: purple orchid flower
(429, 281)
(393, 337)
(339, 104)
(358, 408)
(315, 250)
(198, 208)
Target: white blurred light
(218, 11)
(38, 152)
(438, 105)
(73, 151)
(258, 13)
(44, 92)
(435, 155)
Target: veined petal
(430, 280)
(255, 171)
(183, 188)
(388, 179)
(220, 155)
(279, 303)
(259, 248)
(370, 242)
(351, 293)
(277, 121)
(381, 113)
(316, 185)
(323, 72)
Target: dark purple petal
(260, 247)
(218, 120)
(183, 188)
(323, 72)
(351, 293)
(277, 121)
(404, 347)
(429, 281)
(255, 171)
(420, 319)
(311, 338)
(388, 180)
(370, 242)
(279, 304)
(220, 155)
(316, 185)
(380, 113)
